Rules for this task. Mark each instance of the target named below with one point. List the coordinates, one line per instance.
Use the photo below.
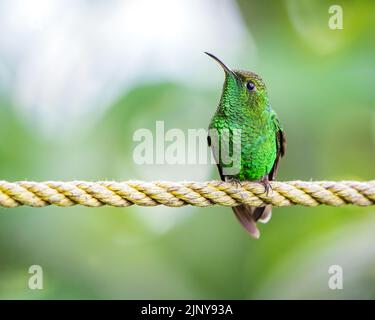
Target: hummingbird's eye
(250, 86)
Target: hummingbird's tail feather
(248, 217)
(266, 214)
(245, 215)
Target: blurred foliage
(325, 100)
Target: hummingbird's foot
(267, 186)
(234, 181)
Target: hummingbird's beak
(223, 65)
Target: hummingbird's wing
(266, 214)
(209, 142)
(280, 147)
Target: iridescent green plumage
(244, 110)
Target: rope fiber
(177, 194)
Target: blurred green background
(77, 78)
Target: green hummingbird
(245, 120)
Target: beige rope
(177, 194)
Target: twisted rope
(177, 194)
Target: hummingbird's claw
(266, 184)
(234, 181)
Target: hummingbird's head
(243, 87)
